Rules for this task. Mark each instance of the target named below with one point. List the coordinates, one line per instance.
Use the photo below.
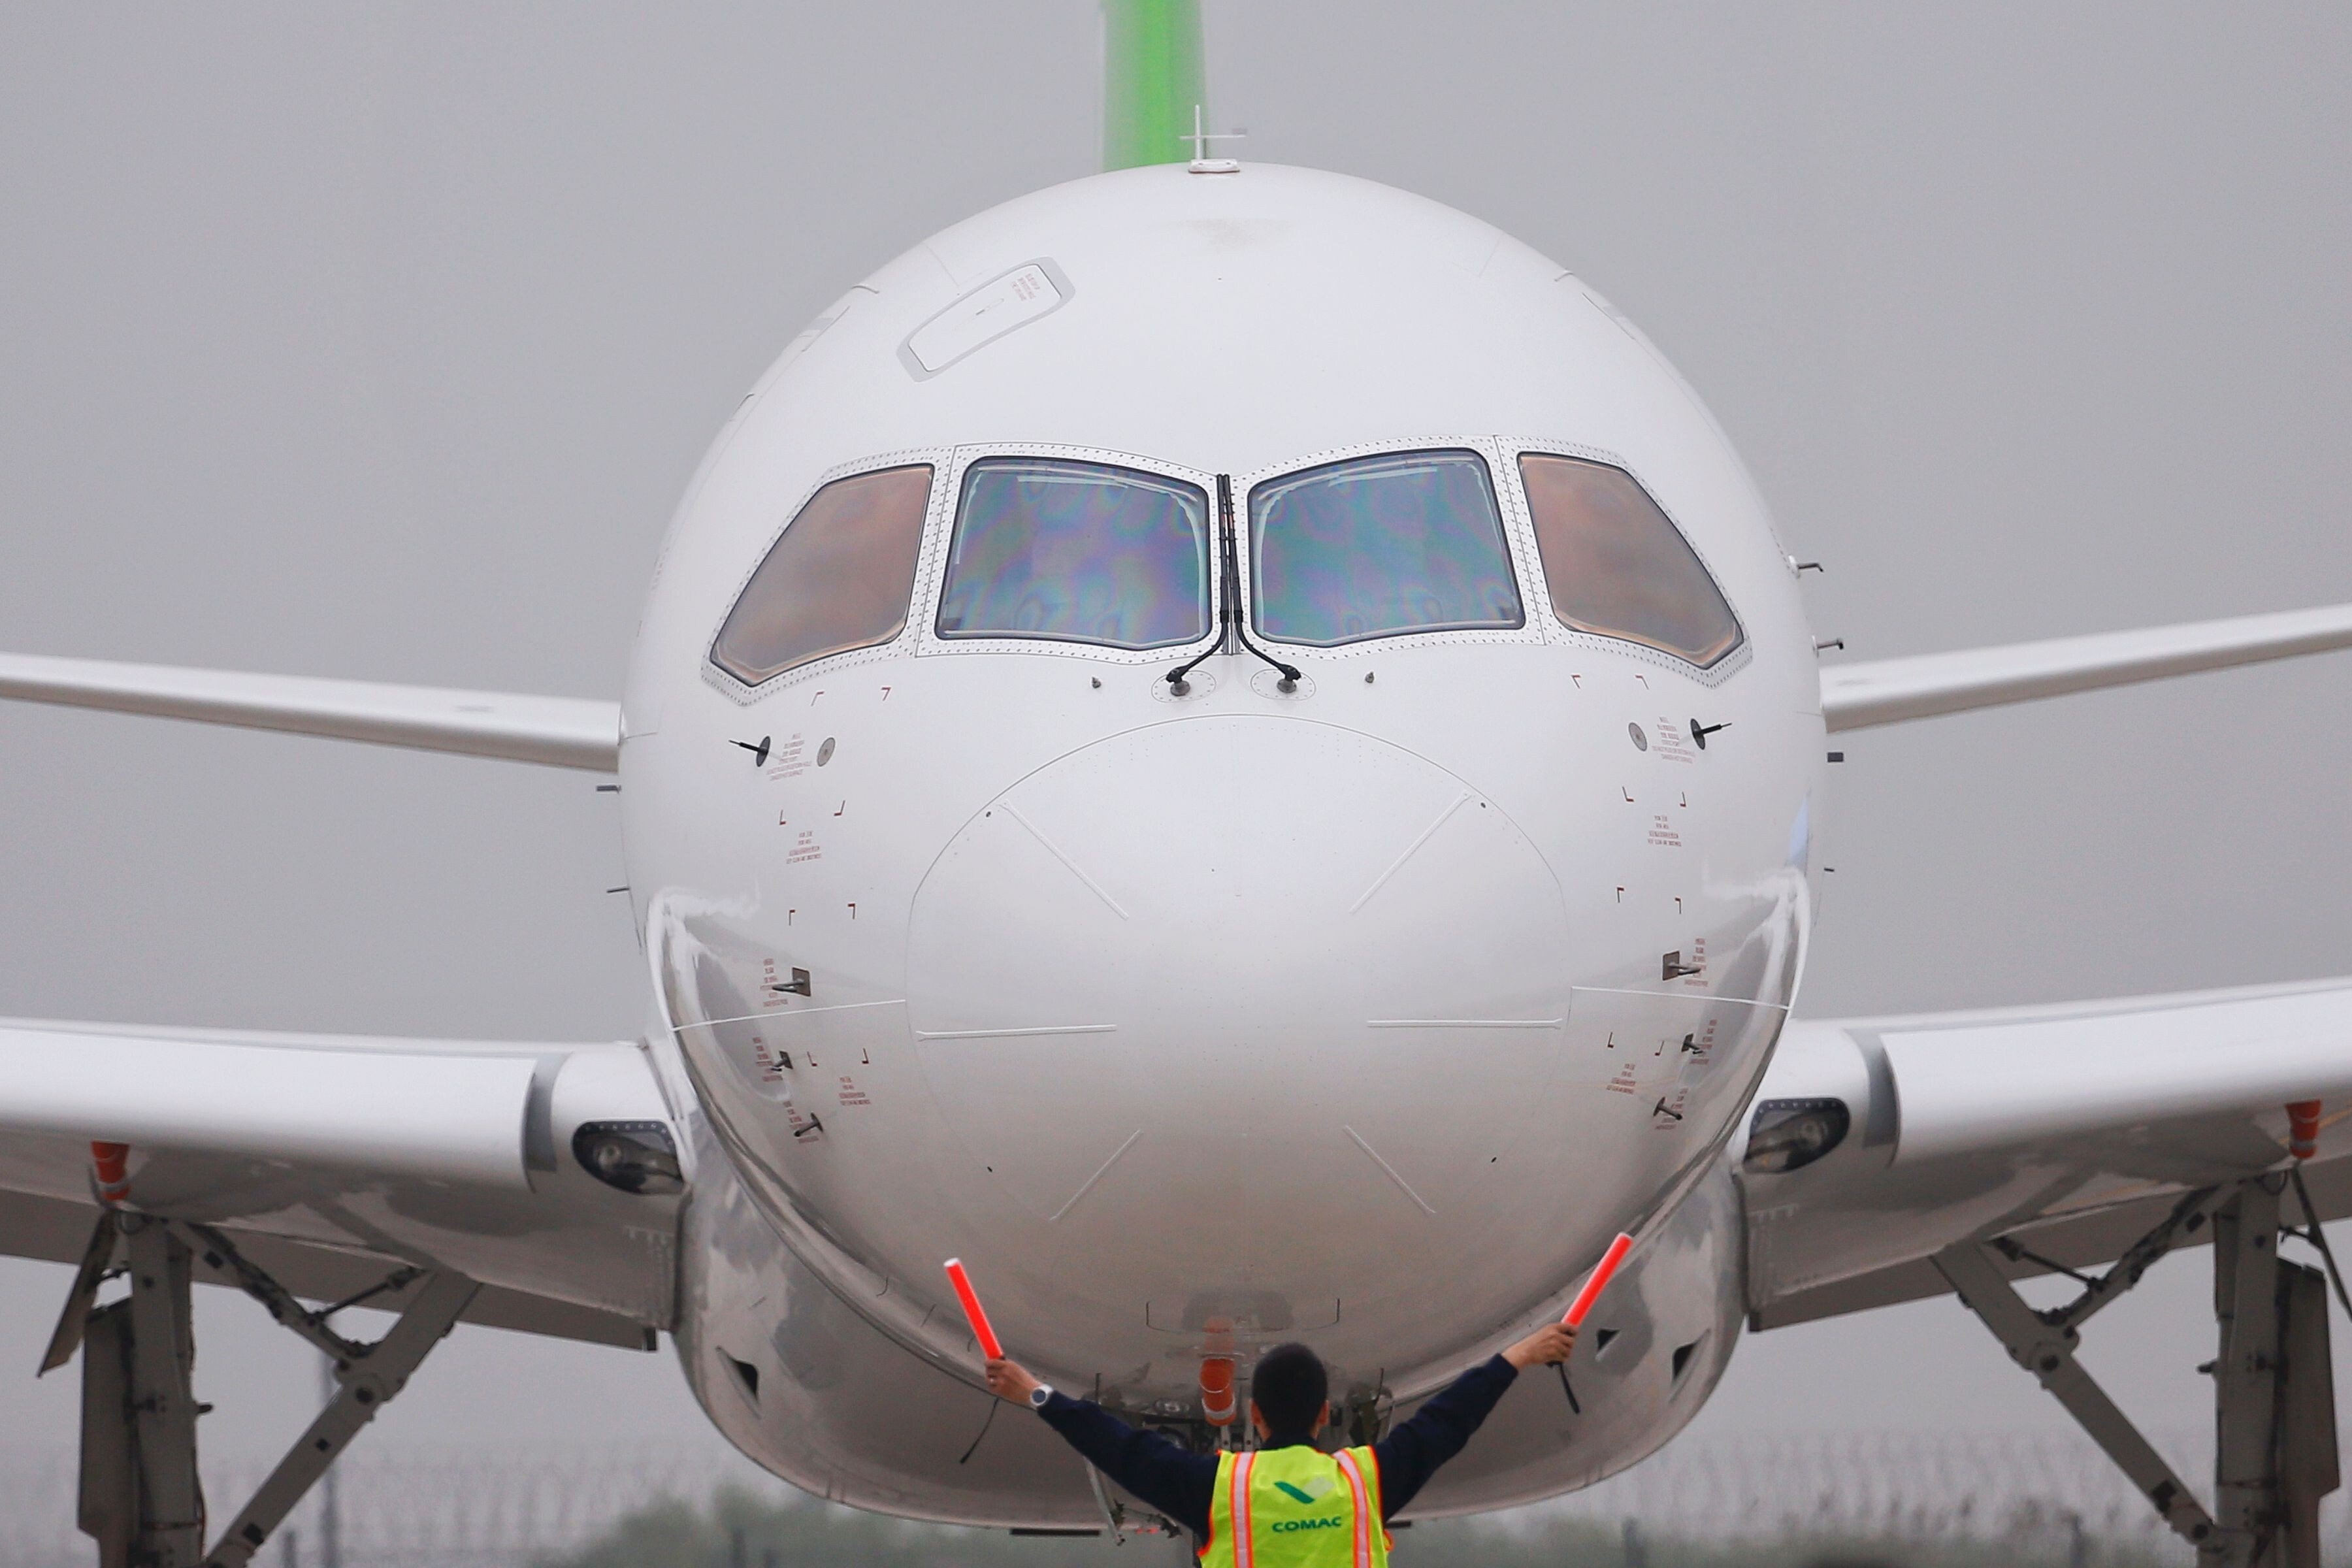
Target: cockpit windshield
(1406, 541)
(1074, 552)
(838, 578)
(1617, 566)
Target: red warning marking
(1217, 1401)
(853, 1095)
(770, 1069)
(805, 849)
(789, 760)
(111, 1164)
(1700, 1044)
(2302, 1129)
(1663, 834)
(1624, 1082)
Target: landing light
(634, 1156)
(1788, 1134)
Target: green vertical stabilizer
(1152, 77)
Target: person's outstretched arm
(1176, 1481)
(1413, 1451)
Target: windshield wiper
(1229, 606)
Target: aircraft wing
(2070, 1131)
(1887, 691)
(574, 733)
(332, 1162)
(561, 732)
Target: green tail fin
(1152, 77)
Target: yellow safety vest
(1296, 1507)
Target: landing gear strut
(139, 1499)
(2274, 1397)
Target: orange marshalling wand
(989, 1346)
(1592, 1287)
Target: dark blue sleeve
(1413, 1450)
(1177, 1482)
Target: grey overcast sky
(378, 342)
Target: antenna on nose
(1201, 162)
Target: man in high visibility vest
(1286, 1504)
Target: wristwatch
(1039, 1395)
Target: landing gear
(139, 1499)
(2273, 1396)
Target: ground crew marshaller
(1286, 1504)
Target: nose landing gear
(2276, 1454)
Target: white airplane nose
(1237, 961)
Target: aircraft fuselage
(1360, 1008)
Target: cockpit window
(1077, 552)
(1407, 542)
(1617, 566)
(839, 577)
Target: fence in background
(459, 1509)
(1928, 1488)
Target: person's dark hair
(1288, 1387)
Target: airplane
(1390, 756)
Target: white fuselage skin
(1195, 1024)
